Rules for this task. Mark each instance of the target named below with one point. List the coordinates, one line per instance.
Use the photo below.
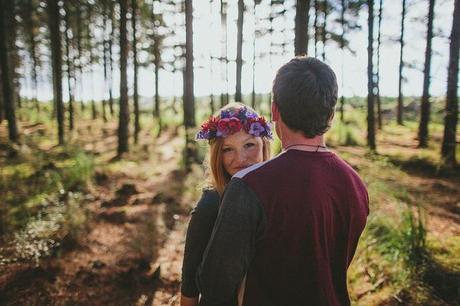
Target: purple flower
(256, 129)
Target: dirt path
(170, 259)
(131, 253)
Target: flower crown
(231, 122)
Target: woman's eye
(249, 145)
(225, 150)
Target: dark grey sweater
(198, 234)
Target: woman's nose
(241, 157)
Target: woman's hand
(188, 301)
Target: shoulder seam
(242, 173)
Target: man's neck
(298, 141)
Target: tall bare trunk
(137, 126)
(80, 54)
(401, 66)
(33, 52)
(56, 56)
(8, 101)
(239, 51)
(316, 26)
(104, 57)
(324, 29)
(224, 59)
(69, 67)
(123, 124)
(425, 106)
(342, 48)
(377, 81)
(112, 37)
(449, 142)
(370, 82)
(91, 61)
(301, 27)
(189, 99)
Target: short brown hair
(305, 91)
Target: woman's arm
(198, 234)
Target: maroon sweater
(293, 224)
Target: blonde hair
(219, 177)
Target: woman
(238, 138)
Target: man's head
(305, 94)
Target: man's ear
(275, 112)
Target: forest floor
(130, 250)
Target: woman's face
(240, 151)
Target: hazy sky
(207, 41)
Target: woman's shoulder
(209, 200)
(210, 195)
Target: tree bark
(370, 81)
(253, 93)
(223, 21)
(104, 57)
(425, 106)
(137, 126)
(377, 74)
(69, 68)
(33, 52)
(56, 56)
(8, 101)
(112, 38)
(316, 26)
(401, 66)
(323, 31)
(451, 114)
(189, 99)
(123, 125)
(342, 48)
(301, 27)
(91, 61)
(80, 53)
(2, 115)
(239, 51)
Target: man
(288, 228)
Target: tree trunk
(137, 126)
(425, 106)
(2, 115)
(377, 81)
(239, 51)
(33, 53)
(370, 82)
(69, 69)
(56, 56)
(123, 125)
(211, 70)
(301, 27)
(7, 90)
(451, 113)
(323, 31)
(104, 57)
(80, 54)
(316, 26)
(112, 38)
(13, 55)
(224, 59)
(253, 93)
(342, 48)
(91, 61)
(189, 99)
(401, 66)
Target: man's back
(312, 222)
